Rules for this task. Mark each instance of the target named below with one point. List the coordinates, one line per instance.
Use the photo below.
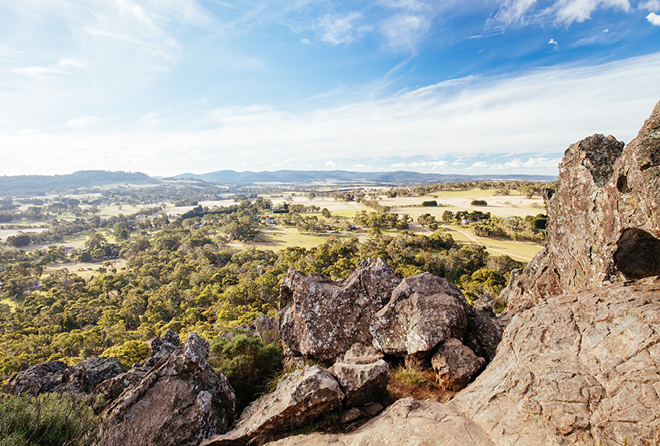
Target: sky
(167, 87)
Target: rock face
(179, 402)
(578, 369)
(41, 378)
(89, 373)
(56, 376)
(409, 422)
(321, 318)
(455, 364)
(301, 396)
(424, 310)
(362, 375)
(603, 220)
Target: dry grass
(418, 382)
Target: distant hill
(39, 184)
(344, 176)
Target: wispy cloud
(542, 163)
(541, 112)
(559, 12)
(83, 121)
(335, 29)
(422, 164)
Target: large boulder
(301, 396)
(603, 219)
(424, 310)
(578, 369)
(362, 375)
(41, 378)
(321, 318)
(409, 422)
(179, 402)
(85, 376)
(455, 364)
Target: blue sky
(458, 86)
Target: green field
(278, 237)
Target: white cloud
(517, 164)
(331, 164)
(405, 31)
(654, 19)
(650, 5)
(83, 121)
(553, 42)
(305, 41)
(340, 29)
(537, 112)
(561, 12)
(424, 164)
(37, 71)
(71, 63)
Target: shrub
(479, 203)
(430, 203)
(247, 363)
(128, 353)
(47, 420)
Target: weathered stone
(301, 396)
(483, 334)
(603, 220)
(161, 348)
(41, 378)
(362, 378)
(455, 364)
(322, 318)
(179, 402)
(409, 422)
(113, 387)
(85, 376)
(423, 311)
(577, 369)
(361, 354)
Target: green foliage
(129, 352)
(247, 363)
(47, 420)
(479, 203)
(429, 203)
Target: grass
(524, 251)
(414, 380)
(278, 237)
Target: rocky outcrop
(424, 310)
(56, 376)
(179, 402)
(578, 369)
(321, 318)
(85, 376)
(362, 375)
(408, 422)
(455, 364)
(603, 219)
(301, 396)
(41, 378)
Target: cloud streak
(541, 112)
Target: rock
(409, 422)
(372, 409)
(85, 376)
(321, 318)
(113, 387)
(576, 369)
(455, 364)
(351, 414)
(41, 378)
(161, 348)
(301, 396)
(483, 334)
(362, 376)
(362, 354)
(424, 310)
(603, 219)
(179, 402)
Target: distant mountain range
(344, 176)
(21, 184)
